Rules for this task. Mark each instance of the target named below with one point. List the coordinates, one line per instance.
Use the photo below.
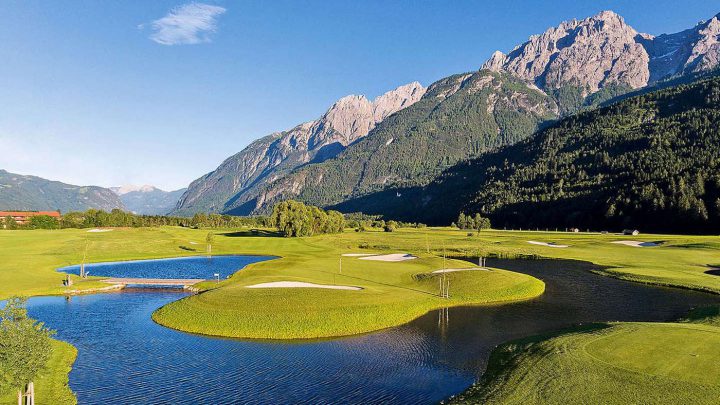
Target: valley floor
(393, 293)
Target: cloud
(188, 24)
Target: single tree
(390, 226)
(24, 348)
(10, 223)
(209, 239)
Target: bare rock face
(266, 159)
(589, 53)
(705, 53)
(604, 50)
(691, 51)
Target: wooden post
(30, 393)
(82, 266)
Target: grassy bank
(658, 363)
(392, 294)
(51, 385)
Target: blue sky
(160, 92)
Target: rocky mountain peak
(395, 100)
(129, 188)
(604, 50)
(496, 61)
(588, 53)
(352, 117)
(347, 120)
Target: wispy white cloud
(190, 23)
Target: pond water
(196, 267)
(126, 358)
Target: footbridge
(169, 282)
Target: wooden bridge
(170, 282)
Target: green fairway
(668, 363)
(392, 292)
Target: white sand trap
(193, 243)
(635, 243)
(393, 257)
(100, 230)
(357, 254)
(454, 270)
(532, 242)
(300, 284)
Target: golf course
(351, 283)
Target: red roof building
(22, 217)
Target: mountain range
(147, 200)
(649, 161)
(30, 193)
(269, 158)
(358, 148)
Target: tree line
(93, 218)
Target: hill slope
(271, 157)
(577, 65)
(459, 117)
(31, 193)
(648, 162)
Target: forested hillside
(30, 193)
(459, 117)
(648, 162)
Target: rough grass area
(51, 386)
(658, 363)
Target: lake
(124, 357)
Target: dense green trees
(649, 162)
(293, 218)
(43, 222)
(24, 347)
(117, 218)
(476, 222)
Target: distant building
(631, 232)
(23, 217)
(576, 230)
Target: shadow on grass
(504, 358)
(253, 232)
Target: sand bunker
(300, 284)
(100, 230)
(358, 254)
(532, 242)
(393, 257)
(454, 270)
(636, 243)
